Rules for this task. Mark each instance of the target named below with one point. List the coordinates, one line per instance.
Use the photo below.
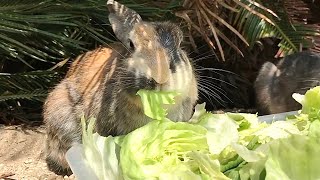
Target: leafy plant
(31, 85)
(293, 35)
(49, 30)
(229, 146)
(248, 20)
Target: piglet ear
(122, 20)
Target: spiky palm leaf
(45, 30)
(31, 85)
(249, 20)
(22, 94)
(48, 30)
(293, 35)
(210, 18)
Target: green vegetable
(222, 131)
(293, 158)
(314, 130)
(160, 147)
(210, 146)
(310, 103)
(154, 101)
(294, 155)
(100, 153)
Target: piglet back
(91, 70)
(275, 84)
(79, 92)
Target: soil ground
(22, 154)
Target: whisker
(220, 80)
(206, 95)
(220, 91)
(213, 92)
(215, 72)
(209, 83)
(199, 48)
(308, 80)
(195, 60)
(212, 96)
(199, 55)
(306, 88)
(212, 85)
(216, 69)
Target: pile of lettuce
(210, 146)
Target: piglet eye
(131, 44)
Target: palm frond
(34, 95)
(30, 85)
(247, 20)
(40, 30)
(51, 30)
(292, 35)
(208, 18)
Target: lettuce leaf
(154, 102)
(210, 146)
(160, 147)
(293, 150)
(314, 129)
(301, 150)
(100, 152)
(310, 103)
(296, 157)
(222, 131)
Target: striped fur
(102, 83)
(275, 84)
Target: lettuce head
(210, 146)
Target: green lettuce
(100, 152)
(293, 158)
(293, 153)
(310, 103)
(209, 146)
(154, 102)
(160, 147)
(221, 132)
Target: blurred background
(228, 40)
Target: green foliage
(30, 85)
(45, 30)
(272, 24)
(236, 23)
